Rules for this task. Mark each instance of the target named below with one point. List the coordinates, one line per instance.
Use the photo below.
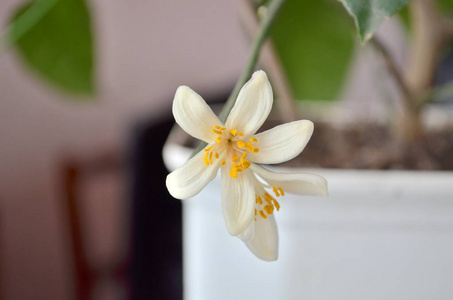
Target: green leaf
(446, 6)
(315, 43)
(54, 38)
(369, 14)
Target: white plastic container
(380, 235)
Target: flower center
(236, 148)
(265, 203)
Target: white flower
(234, 148)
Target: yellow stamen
(255, 150)
(233, 131)
(217, 131)
(240, 134)
(282, 192)
(268, 198)
(253, 140)
(223, 162)
(269, 209)
(216, 155)
(276, 191)
(209, 148)
(234, 172)
(276, 204)
(263, 215)
(256, 211)
(259, 200)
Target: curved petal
(252, 106)
(192, 177)
(238, 201)
(295, 183)
(264, 243)
(282, 143)
(247, 234)
(193, 115)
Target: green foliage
(446, 6)
(315, 43)
(54, 38)
(369, 14)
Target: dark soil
(370, 146)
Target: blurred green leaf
(446, 6)
(369, 14)
(315, 42)
(54, 38)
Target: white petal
(247, 234)
(192, 177)
(252, 106)
(238, 201)
(282, 143)
(265, 239)
(295, 183)
(193, 115)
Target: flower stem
(272, 11)
(264, 28)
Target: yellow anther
(256, 211)
(282, 192)
(276, 204)
(268, 198)
(216, 155)
(223, 162)
(276, 192)
(243, 156)
(259, 200)
(233, 131)
(240, 134)
(209, 148)
(255, 219)
(253, 140)
(219, 128)
(234, 172)
(206, 161)
(255, 150)
(269, 209)
(217, 131)
(263, 215)
(210, 157)
(219, 138)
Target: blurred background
(86, 90)
(143, 50)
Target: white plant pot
(380, 235)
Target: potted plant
(380, 234)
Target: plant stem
(270, 61)
(392, 68)
(272, 11)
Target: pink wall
(145, 50)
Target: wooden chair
(78, 177)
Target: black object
(156, 246)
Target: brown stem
(428, 38)
(392, 68)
